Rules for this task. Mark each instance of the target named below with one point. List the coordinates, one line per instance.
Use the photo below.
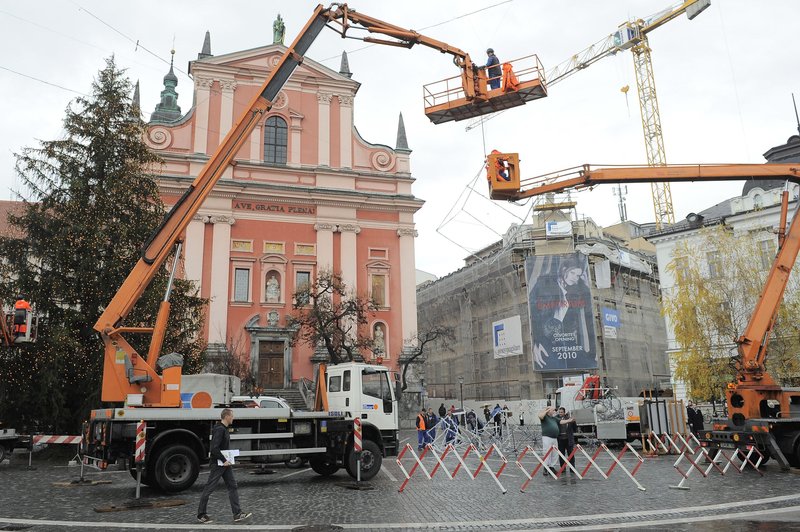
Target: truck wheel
(323, 465)
(371, 460)
(295, 462)
(176, 468)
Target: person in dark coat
(690, 416)
(221, 469)
(430, 423)
(566, 435)
(498, 420)
(442, 410)
(694, 418)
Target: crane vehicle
(761, 413)
(632, 35)
(178, 425)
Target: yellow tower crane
(632, 35)
(648, 102)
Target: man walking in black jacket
(221, 469)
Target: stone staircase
(290, 395)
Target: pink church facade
(305, 194)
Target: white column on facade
(193, 251)
(220, 276)
(202, 102)
(296, 128)
(255, 143)
(324, 245)
(324, 134)
(408, 289)
(348, 258)
(348, 253)
(346, 131)
(227, 87)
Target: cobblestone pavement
(294, 498)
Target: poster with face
(560, 310)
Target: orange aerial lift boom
(127, 376)
(760, 411)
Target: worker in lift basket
(21, 309)
(493, 70)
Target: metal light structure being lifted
(632, 36)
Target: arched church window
(275, 140)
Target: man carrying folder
(220, 467)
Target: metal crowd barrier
(695, 455)
(440, 463)
(591, 462)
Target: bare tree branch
(425, 340)
(327, 313)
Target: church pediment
(264, 59)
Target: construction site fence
(449, 462)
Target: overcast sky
(724, 83)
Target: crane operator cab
(502, 172)
(21, 323)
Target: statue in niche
(379, 342)
(278, 30)
(273, 290)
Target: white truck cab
(364, 391)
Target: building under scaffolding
(492, 286)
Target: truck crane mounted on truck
(178, 425)
(760, 412)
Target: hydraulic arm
(125, 372)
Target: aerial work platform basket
(522, 81)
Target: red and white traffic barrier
(138, 452)
(54, 440)
(736, 456)
(357, 435)
(50, 439)
(591, 462)
(461, 459)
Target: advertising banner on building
(555, 229)
(610, 322)
(507, 337)
(560, 309)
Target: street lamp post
(461, 386)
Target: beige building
(492, 286)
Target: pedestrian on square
(486, 413)
(430, 423)
(566, 435)
(450, 428)
(442, 410)
(472, 421)
(550, 431)
(690, 416)
(421, 438)
(497, 417)
(221, 469)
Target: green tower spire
(168, 110)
